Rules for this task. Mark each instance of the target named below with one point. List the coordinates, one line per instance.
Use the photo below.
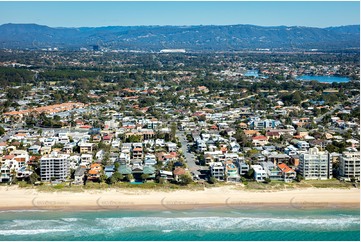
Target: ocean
(326, 79)
(175, 225)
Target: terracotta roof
(21, 135)
(85, 126)
(95, 166)
(8, 157)
(93, 172)
(179, 171)
(260, 137)
(251, 132)
(285, 168)
(272, 133)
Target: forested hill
(191, 38)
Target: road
(243, 98)
(319, 119)
(190, 159)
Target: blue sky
(94, 14)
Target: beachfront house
(272, 170)
(231, 172)
(259, 173)
(217, 170)
(243, 168)
(79, 175)
(5, 173)
(288, 174)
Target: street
(190, 159)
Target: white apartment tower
(54, 166)
(217, 170)
(350, 165)
(315, 165)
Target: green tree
(2, 130)
(162, 180)
(299, 177)
(173, 131)
(144, 177)
(250, 174)
(212, 180)
(185, 179)
(134, 139)
(117, 176)
(32, 178)
(129, 177)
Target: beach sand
(14, 198)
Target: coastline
(16, 199)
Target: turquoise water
(199, 224)
(328, 79)
(253, 73)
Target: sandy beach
(13, 198)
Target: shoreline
(16, 199)
(208, 207)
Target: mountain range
(190, 38)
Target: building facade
(350, 165)
(217, 170)
(54, 167)
(315, 165)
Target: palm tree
(145, 177)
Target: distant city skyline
(96, 14)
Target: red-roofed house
(287, 173)
(178, 172)
(260, 140)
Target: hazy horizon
(194, 25)
(320, 14)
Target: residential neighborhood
(186, 130)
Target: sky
(130, 13)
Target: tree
(212, 180)
(111, 180)
(250, 174)
(173, 131)
(129, 177)
(299, 177)
(267, 180)
(134, 138)
(2, 130)
(32, 178)
(162, 180)
(144, 177)
(244, 180)
(117, 176)
(105, 159)
(185, 179)
(241, 137)
(102, 177)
